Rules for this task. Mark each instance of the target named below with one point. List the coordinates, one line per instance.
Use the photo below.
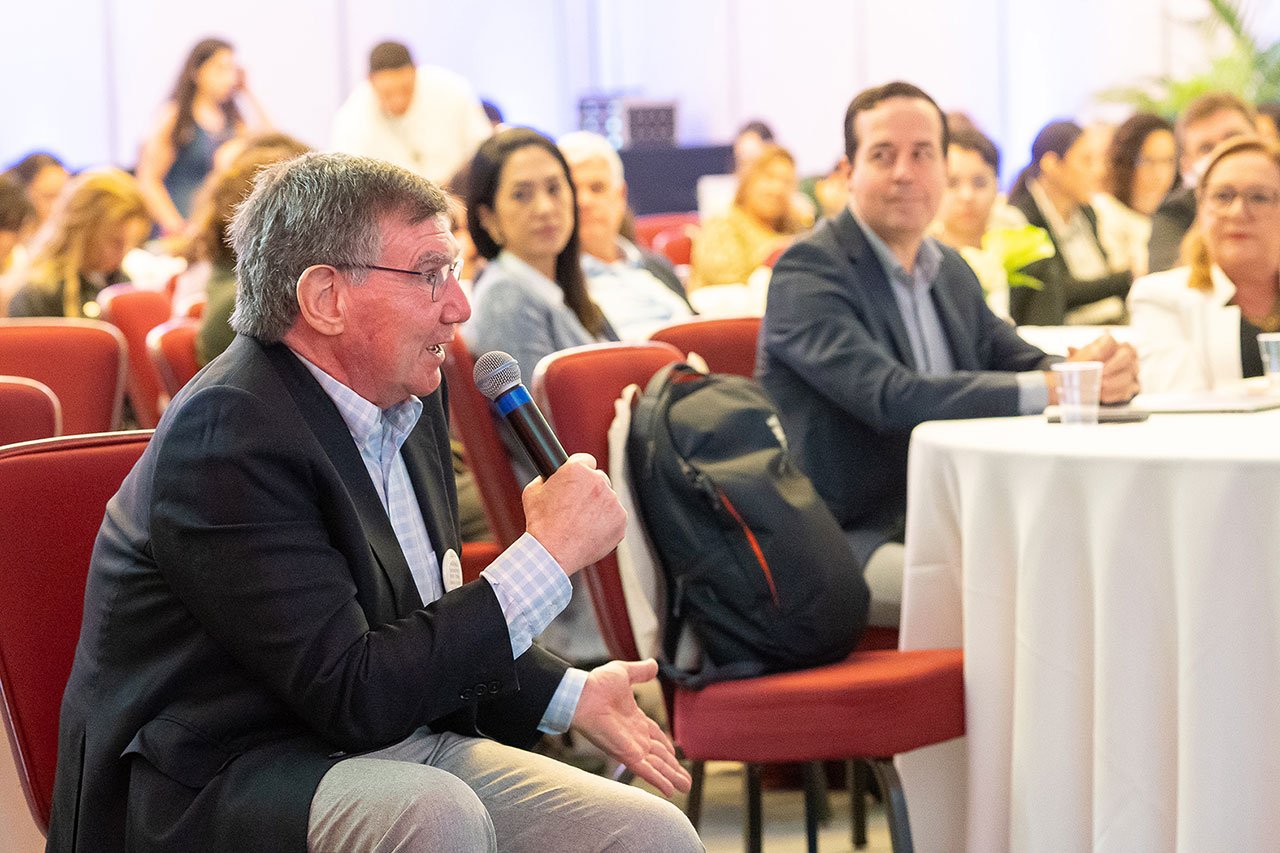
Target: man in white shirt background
(425, 119)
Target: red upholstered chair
(727, 344)
(52, 497)
(171, 346)
(83, 361)
(28, 410)
(196, 309)
(676, 243)
(471, 414)
(647, 227)
(136, 312)
(872, 705)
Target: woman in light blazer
(1196, 326)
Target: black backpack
(755, 563)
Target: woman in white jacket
(1196, 326)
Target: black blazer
(1059, 291)
(250, 618)
(835, 357)
(1169, 225)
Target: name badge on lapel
(451, 570)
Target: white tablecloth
(1116, 590)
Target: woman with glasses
(1141, 165)
(1197, 325)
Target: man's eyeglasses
(1220, 199)
(435, 279)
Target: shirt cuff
(564, 703)
(531, 589)
(1033, 392)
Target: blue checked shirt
(530, 586)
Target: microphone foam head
(496, 373)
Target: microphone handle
(537, 439)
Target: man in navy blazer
(872, 327)
(278, 651)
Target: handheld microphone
(497, 375)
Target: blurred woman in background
(1141, 165)
(730, 247)
(1053, 192)
(98, 218)
(1196, 326)
(42, 176)
(200, 116)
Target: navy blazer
(835, 357)
(250, 618)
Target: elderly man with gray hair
(638, 291)
(278, 650)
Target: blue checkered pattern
(530, 586)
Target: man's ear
(845, 168)
(321, 303)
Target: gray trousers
(449, 792)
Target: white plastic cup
(1269, 346)
(1079, 387)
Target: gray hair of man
(316, 209)
(583, 145)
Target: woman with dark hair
(201, 115)
(531, 299)
(1054, 192)
(1141, 165)
(42, 176)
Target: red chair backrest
(647, 227)
(196, 309)
(28, 410)
(472, 416)
(578, 388)
(676, 243)
(171, 346)
(83, 361)
(52, 497)
(727, 344)
(136, 312)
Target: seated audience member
(98, 218)
(1197, 325)
(1207, 121)
(872, 327)
(42, 176)
(1053, 193)
(17, 217)
(829, 193)
(211, 244)
(201, 115)
(966, 214)
(637, 291)
(1141, 165)
(472, 263)
(531, 300)
(730, 247)
(277, 651)
(425, 119)
(194, 282)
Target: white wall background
(90, 91)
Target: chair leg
(752, 832)
(895, 804)
(693, 806)
(815, 801)
(858, 772)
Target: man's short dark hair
(869, 99)
(389, 55)
(972, 139)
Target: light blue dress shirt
(530, 586)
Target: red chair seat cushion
(887, 702)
